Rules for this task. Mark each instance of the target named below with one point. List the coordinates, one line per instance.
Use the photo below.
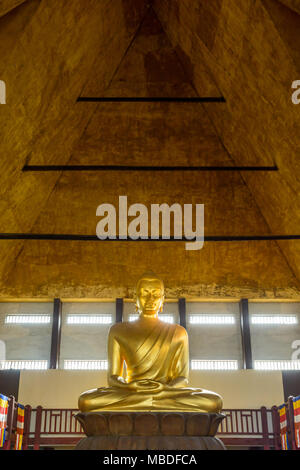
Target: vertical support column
(276, 428)
(291, 383)
(38, 424)
(119, 310)
(9, 382)
(27, 419)
(246, 336)
(56, 334)
(182, 311)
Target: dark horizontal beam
(144, 168)
(149, 99)
(73, 237)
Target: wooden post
(246, 335)
(265, 427)
(38, 423)
(56, 334)
(276, 428)
(27, 419)
(119, 310)
(182, 311)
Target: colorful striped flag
(283, 427)
(296, 405)
(20, 427)
(3, 418)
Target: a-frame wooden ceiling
(54, 52)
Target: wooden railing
(50, 427)
(54, 427)
(256, 427)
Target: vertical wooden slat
(56, 334)
(246, 335)
(236, 421)
(46, 422)
(248, 419)
(256, 422)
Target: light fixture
(24, 365)
(198, 319)
(89, 319)
(21, 319)
(274, 319)
(197, 364)
(71, 364)
(277, 365)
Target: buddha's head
(149, 295)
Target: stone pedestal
(150, 431)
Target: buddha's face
(150, 296)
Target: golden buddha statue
(148, 363)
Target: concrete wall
(240, 389)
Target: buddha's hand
(146, 385)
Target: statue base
(150, 431)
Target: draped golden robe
(157, 353)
